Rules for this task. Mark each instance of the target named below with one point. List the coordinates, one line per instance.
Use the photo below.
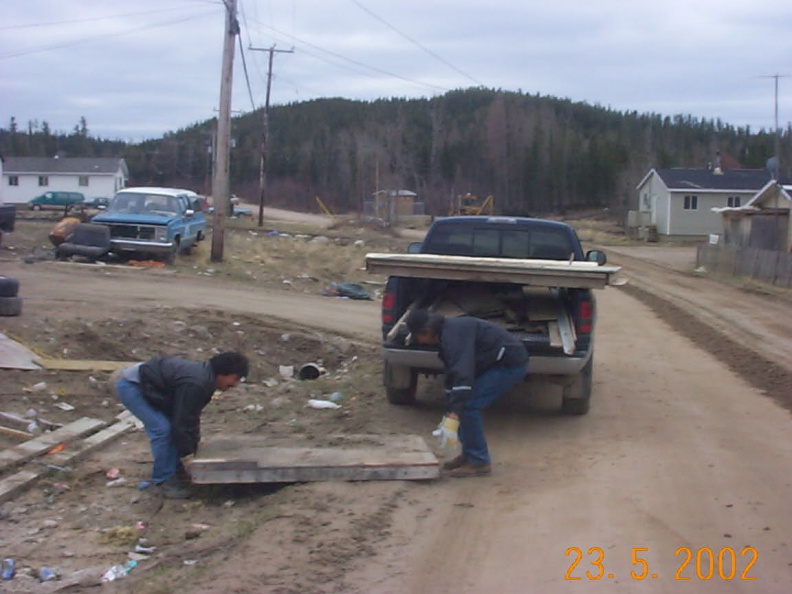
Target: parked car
(97, 203)
(56, 200)
(159, 222)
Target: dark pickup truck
(529, 275)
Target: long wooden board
(46, 441)
(23, 479)
(351, 458)
(82, 365)
(542, 273)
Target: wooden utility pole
(265, 132)
(220, 182)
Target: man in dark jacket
(482, 361)
(168, 394)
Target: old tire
(173, 255)
(10, 306)
(576, 398)
(401, 395)
(9, 286)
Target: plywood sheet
(353, 457)
(14, 355)
(82, 365)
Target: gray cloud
(140, 70)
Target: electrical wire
(98, 37)
(415, 43)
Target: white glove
(447, 432)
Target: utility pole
(220, 182)
(265, 131)
(777, 147)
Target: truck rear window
(543, 244)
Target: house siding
(99, 185)
(702, 221)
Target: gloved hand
(447, 432)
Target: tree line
(536, 154)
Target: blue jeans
(489, 386)
(158, 429)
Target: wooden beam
(47, 441)
(15, 432)
(16, 483)
(350, 458)
(82, 365)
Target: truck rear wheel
(576, 397)
(395, 376)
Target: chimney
(717, 170)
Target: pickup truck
(159, 222)
(528, 275)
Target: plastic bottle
(115, 572)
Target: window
(733, 201)
(691, 202)
(43, 180)
(84, 180)
(13, 180)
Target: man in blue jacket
(482, 361)
(168, 395)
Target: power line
(415, 43)
(89, 20)
(98, 37)
(350, 60)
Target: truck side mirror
(414, 247)
(189, 212)
(596, 256)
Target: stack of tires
(10, 301)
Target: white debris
(313, 403)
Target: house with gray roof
(679, 203)
(95, 177)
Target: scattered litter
(144, 550)
(137, 557)
(201, 526)
(254, 407)
(336, 397)
(57, 449)
(286, 370)
(39, 387)
(114, 573)
(113, 473)
(313, 403)
(271, 382)
(140, 526)
(117, 482)
(310, 371)
(9, 568)
(48, 574)
(190, 561)
(64, 406)
(285, 337)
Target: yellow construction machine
(470, 204)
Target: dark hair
(230, 363)
(423, 319)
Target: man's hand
(447, 432)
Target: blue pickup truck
(530, 276)
(158, 222)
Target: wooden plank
(351, 458)
(47, 441)
(16, 483)
(545, 273)
(15, 432)
(82, 365)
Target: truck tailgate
(538, 273)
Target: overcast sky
(138, 70)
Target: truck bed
(536, 273)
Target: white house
(27, 177)
(679, 202)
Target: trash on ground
(9, 568)
(314, 403)
(310, 371)
(286, 370)
(64, 406)
(349, 290)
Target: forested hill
(535, 154)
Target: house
(762, 223)
(391, 205)
(678, 203)
(27, 177)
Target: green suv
(56, 200)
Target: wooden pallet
(349, 458)
(76, 449)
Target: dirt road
(679, 455)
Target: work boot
(467, 469)
(455, 463)
(173, 488)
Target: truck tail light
(388, 302)
(586, 315)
